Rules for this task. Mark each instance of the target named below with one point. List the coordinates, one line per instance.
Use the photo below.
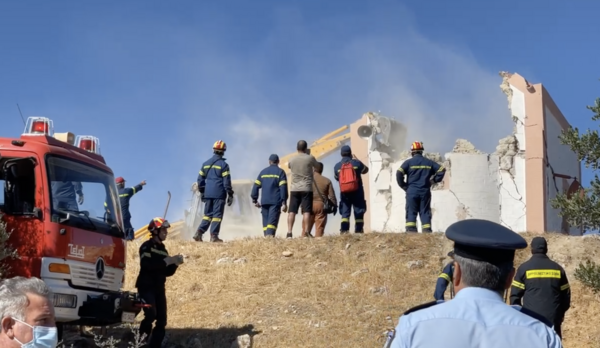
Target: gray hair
(481, 274)
(13, 295)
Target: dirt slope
(333, 292)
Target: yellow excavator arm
(319, 149)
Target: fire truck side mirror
(37, 212)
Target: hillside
(330, 292)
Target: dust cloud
(309, 76)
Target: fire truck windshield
(84, 196)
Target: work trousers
(129, 232)
(270, 218)
(318, 219)
(352, 201)
(418, 204)
(157, 299)
(213, 215)
(66, 203)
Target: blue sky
(159, 82)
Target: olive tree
(583, 209)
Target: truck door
(21, 208)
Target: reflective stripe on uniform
(516, 284)
(542, 273)
(445, 276)
(160, 252)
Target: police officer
(444, 279)
(354, 199)
(214, 184)
(155, 266)
(273, 182)
(125, 194)
(420, 173)
(484, 252)
(543, 286)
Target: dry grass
(331, 292)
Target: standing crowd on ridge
(480, 274)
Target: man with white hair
(27, 314)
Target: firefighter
(125, 194)
(543, 286)
(214, 184)
(445, 279)
(354, 196)
(155, 266)
(420, 173)
(66, 194)
(273, 182)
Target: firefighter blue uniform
(125, 194)
(352, 200)
(444, 279)
(273, 182)
(421, 173)
(64, 194)
(214, 184)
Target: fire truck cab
(61, 206)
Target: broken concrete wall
(528, 165)
(477, 185)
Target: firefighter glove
(229, 198)
(202, 197)
(170, 260)
(178, 259)
(334, 210)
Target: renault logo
(100, 268)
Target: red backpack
(348, 178)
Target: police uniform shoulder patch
(423, 306)
(533, 314)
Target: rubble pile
(506, 150)
(465, 146)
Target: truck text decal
(76, 251)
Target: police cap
(274, 158)
(484, 240)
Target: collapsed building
(512, 186)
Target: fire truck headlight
(65, 301)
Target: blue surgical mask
(43, 337)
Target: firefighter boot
(198, 236)
(343, 232)
(215, 239)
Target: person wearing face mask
(27, 314)
(155, 266)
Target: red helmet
(120, 180)
(157, 223)
(417, 146)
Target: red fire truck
(58, 192)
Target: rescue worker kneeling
(155, 266)
(420, 173)
(273, 182)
